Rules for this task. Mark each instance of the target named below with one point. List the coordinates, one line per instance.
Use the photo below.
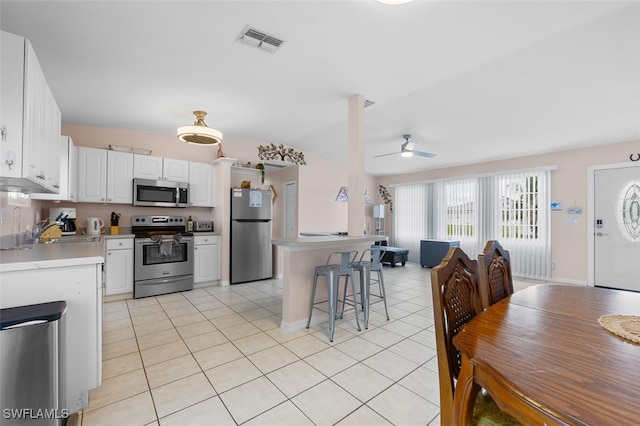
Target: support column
(355, 166)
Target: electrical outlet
(553, 264)
(3, 215)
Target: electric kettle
(94, 226)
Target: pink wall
(568, 186)
(160, 144)
(319, 187)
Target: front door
(617, 228)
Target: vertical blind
(511, 208)
(411, 218)
(457, 217)
(523, 222)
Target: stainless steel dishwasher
(31, 382)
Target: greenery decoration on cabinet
(273, 152)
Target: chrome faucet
(38, 234)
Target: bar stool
(333, 272)
(365, 268)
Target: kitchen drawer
(199, 240)
(119, 243)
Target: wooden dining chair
(456, 301)
(495, 278)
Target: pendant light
(199, 133)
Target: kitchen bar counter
(300, 257)
(309, 242)
(69, 271)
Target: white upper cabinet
(175, 170)
(92, 175)
(158, 168)
(119, 177)
(105, 176)
(201, 184)
(30, 121)
(68, 173)
(147, 167)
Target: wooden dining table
(544, 358)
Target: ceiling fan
(407, 149)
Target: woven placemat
(625, 326)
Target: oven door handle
(165, 280)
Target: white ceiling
(471, 81)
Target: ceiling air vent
(259, 39)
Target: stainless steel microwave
(160, 193)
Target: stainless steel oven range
(163, 255)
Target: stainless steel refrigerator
(250, 235)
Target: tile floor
(217, 356)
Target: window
(457, 213)
(629, 211)
(461, 209)
(523, 222)
(509, 207)
(518, 203)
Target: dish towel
(165, 243)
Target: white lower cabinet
(206, 258)
(118, 266)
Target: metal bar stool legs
(364, 271)
(365, 268)
(333, 272)
(377, 253)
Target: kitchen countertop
(126, 233)
(37, 256)
(324, 241)
(120, 235)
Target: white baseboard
(299, 325)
